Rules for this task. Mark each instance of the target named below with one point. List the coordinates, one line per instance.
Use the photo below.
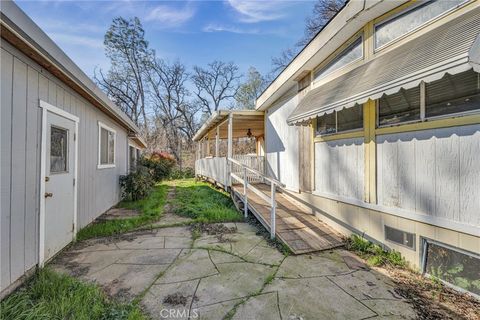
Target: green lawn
(203, 203)
(151, 208)
(50, 295)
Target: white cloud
(230, 29)
(77, 40)
(261, 10)
(169, 16)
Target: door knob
(48, 194)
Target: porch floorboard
(300, 230)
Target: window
(459, 268)
(402, 106)
(341, 121)
(453, 94)
(406, 22)
(58, 150)
(352, 53)
(106, 143)
(134, 155)
(400, 237)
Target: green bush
(137, 184)
(179, 174)
(159, 163)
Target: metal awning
(451, 48)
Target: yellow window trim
(338, 136)
(370, 178)
(431, 124)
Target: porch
(253, 190)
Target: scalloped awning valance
(451, 48)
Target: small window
(453, 94)
(58, 150)
(406, 22)
(459, 268)
(400, 237)
(402, 106)
(133, 157)
(352, 53)
(106, 146)
(340, 121)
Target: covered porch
(240, 169)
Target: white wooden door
(59, 183)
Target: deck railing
(243, 179)
(251, 161)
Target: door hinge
(73, 181)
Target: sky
(248, 33)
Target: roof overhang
(341, 28)
(474, 55)
(19, 30)
(243, 120)
(138, 141)
(450, 48)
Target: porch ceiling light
(249, 133)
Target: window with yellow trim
(348, 119)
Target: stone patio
(238, 274)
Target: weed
(375, 254)
(49, 295)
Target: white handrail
(273, 183)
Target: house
(374, 128)
(64, 145)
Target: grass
(374, 254)
(50, 295)
(150, 210)
(203, 203)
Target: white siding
(339, 168)
(23, 84)
(281, 141)
(434, 172)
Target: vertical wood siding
(281, 141)
(23, 84)
(434, 172)
(339, 168)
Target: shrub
(159, 163)
(137, 184)
(185, 173)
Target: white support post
(217, 142)
(273, 213)
(245, 188)
(230, 148)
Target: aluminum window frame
(101, 165)
(419, 27)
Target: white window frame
(136, 154)
(101, 126)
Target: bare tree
(249, 90)
(169, 97)
(323, 11)
(215, 84)
(129, 55)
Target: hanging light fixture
(249, 133)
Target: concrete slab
(174, 232)
(214, 311)
(194, 264)
(222, 257)
(366, 285)
(154, 301)
(263, 307)
(236, 280)
(150, 256)
(178, 242)
(262, 253)
(312, 265)
(125, 281)
(316, 298)
(144, 242)
(389, 308)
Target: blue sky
(195, 32)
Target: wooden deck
(301, 231)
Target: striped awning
(451, 48)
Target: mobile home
(374, 127)
(64, 145)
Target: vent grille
(400, 237)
